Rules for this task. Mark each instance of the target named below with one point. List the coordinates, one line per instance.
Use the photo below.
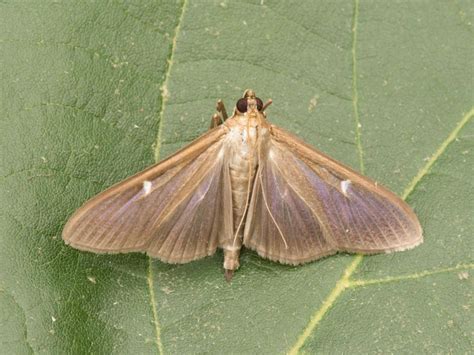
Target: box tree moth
(246, 182)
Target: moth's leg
(215, 121)
(220, 116)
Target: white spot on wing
(146, 187)
(345, 186)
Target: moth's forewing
(173, 211)
(321, 206)
(200, 218)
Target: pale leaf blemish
(165, 94)
(313, 103)
(463, 275)
(147, 187)
(92, 279)
(167, 290)
(345, 186)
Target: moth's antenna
(268, 103)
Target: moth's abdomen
(242, 171)
(242, 166)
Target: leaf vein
(415, 276)
(444, 145)
(340, 287)
(164, 87)
(355, 93)
(164, 100)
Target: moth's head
(249, 104)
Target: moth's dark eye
(242, 105)
(259, 104)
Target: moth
(246, 182)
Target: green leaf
(92, 91)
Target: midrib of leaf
(355, 93)
(164, 87)
(164, 100)
(345, 281)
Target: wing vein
(270, 212)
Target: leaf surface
(93, 92)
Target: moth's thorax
(243, 138)
(244, 133)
